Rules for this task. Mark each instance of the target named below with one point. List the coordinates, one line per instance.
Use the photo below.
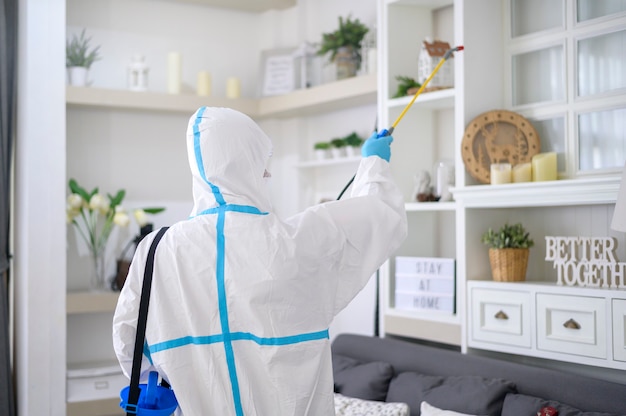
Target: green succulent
(338, 142)
(350, 33)
(78, 53)
(321, 146)
(508, 236)
(405, 84)
(353, 139)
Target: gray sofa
(393, 370)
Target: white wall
(39, 247)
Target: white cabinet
(500, 316)
(618, 308)
(573, 325)
(543, 320)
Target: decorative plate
(497, 136)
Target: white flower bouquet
(95, 216)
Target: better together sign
(586, 261)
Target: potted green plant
(508, 252)
(338, 147)
(404, 85)
(353, 144)
(321, 150)
(344, 46)
(79, 56)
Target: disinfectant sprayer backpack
(151, 399)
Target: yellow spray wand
(387, 132)
(447, 55)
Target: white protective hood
(241, 300)
(229, 150)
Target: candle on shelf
(233, 88)
(522, 172)
(204, 84)
(544, 167)
(500, 173)
(174, 70)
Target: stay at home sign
(425, 283)
(586, 261)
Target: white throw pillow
(349, 406)
(430, 410)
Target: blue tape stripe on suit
(221, 296)
(198, 152)
(238, 336)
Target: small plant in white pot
(353, 144)
(321, 150)
(79, 56)
(338, 148)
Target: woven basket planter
(508, 264)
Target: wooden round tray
(497, 136)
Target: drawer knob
(501, 315)
(571, 324)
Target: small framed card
(278, 66)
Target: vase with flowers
(95, 216)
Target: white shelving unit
(425, 135)
(579, 204)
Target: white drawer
(619, 329)
(572, 325)
(84, 384)
(501, 316)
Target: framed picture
(278, 71)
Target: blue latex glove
(378, 145)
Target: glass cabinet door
(601, 63)
(593, 9)
(538, 76)
(531, 16)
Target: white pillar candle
(204, 84)
(544, 167)
(233, 87)
(522, 172)
(174, 72)
(500, 173)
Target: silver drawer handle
(501, 315)
(571, 324)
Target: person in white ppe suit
(242, 300)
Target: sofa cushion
(430, 410)
(466, 394)
(369, 381)
(350, 406)
(523, 405)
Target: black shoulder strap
(140, 337)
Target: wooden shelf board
(329, 162)
(584, 191)
(429, 206)
(429, 4)
(245, 5)
(152, 101)
(104, 407)
(447, 332)
(436, 100)
(91, 302)
(333, 96)
(350, 92)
